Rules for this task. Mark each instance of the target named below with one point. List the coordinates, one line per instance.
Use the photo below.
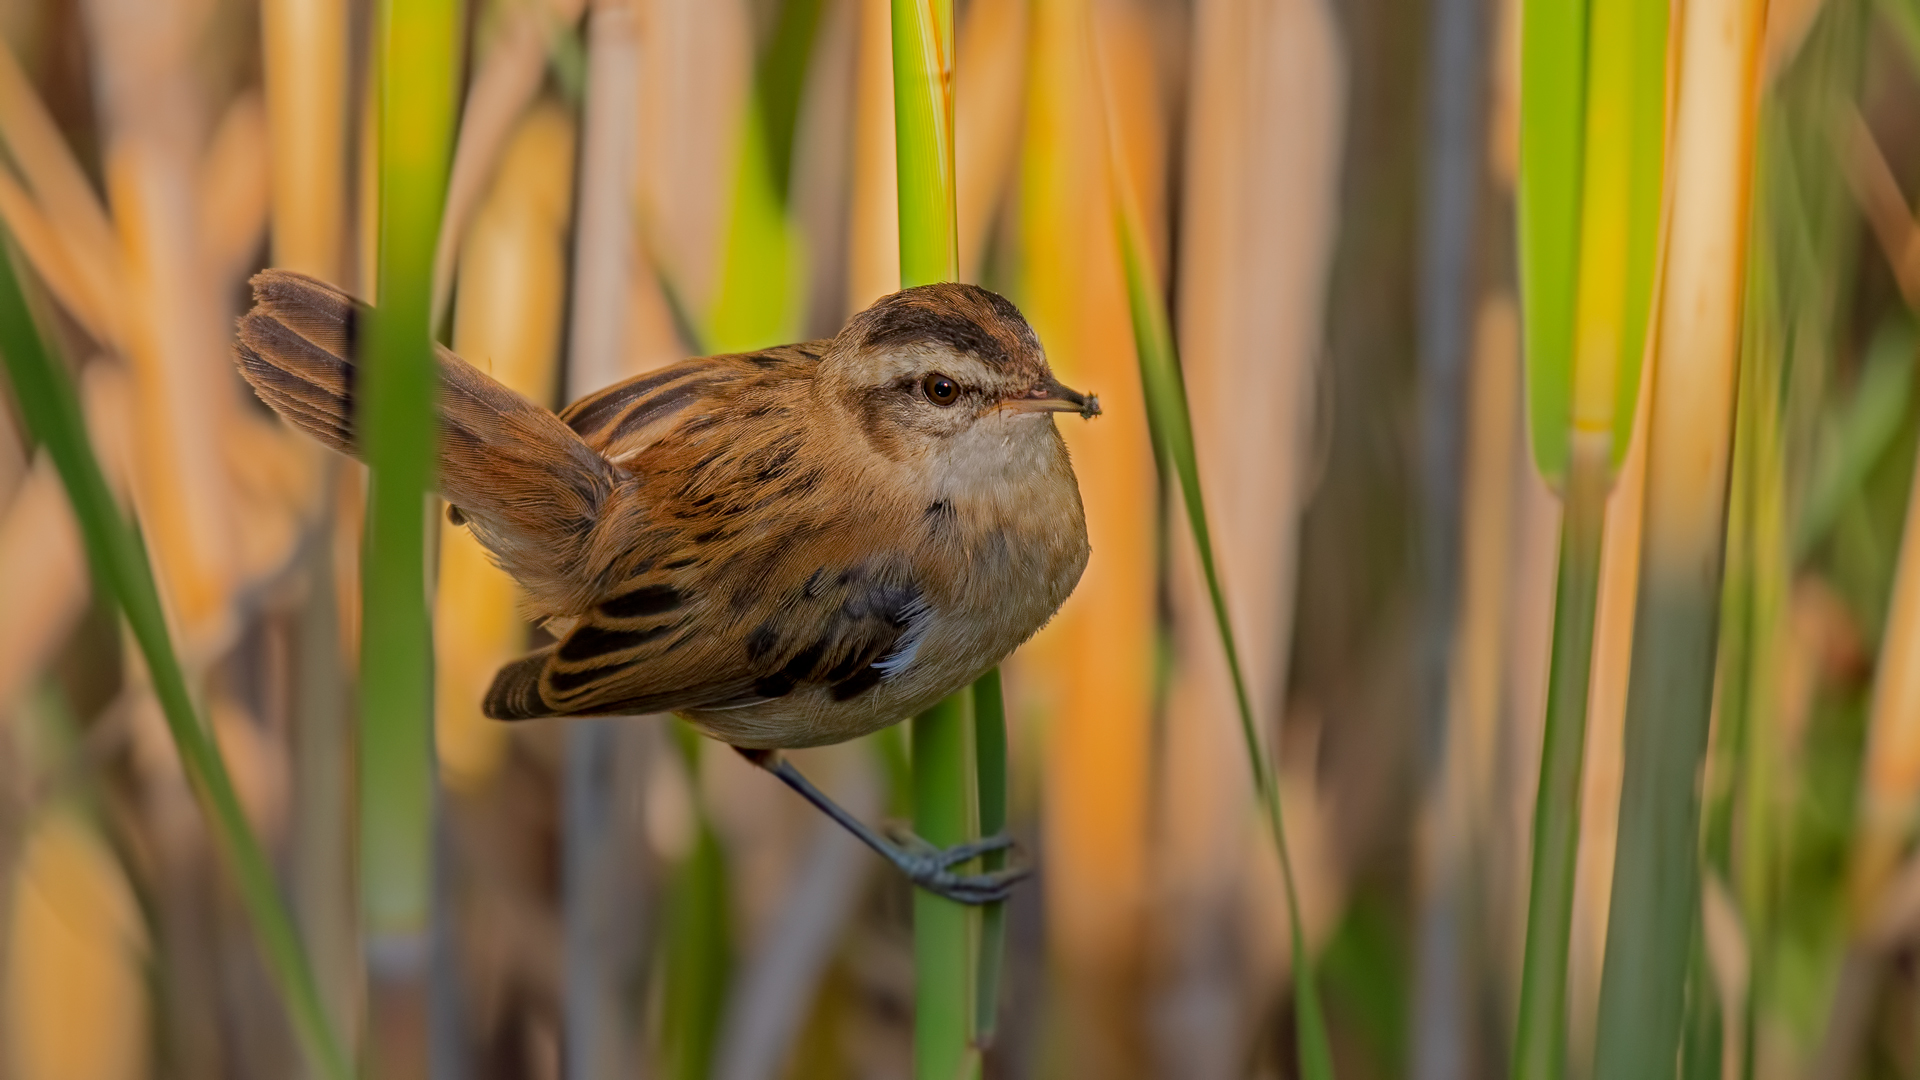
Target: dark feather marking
(773, 686)
(566, 682)
(802, 484)
(643, 601)
(865, 679)
(803, 662)
(590, 641)
(912, 324)
(590, 414)
(761, 642)
(680, 564)
(515, 692)
(812, 588)
(667, 402)
(844, 668)
(776, 459)
(700, 423)
(892, 603)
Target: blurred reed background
(1328, 194)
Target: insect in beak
(1055, 396)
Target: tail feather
(515, 693)
(328, 317)
(308, 381)
(326, 427)
(529, 488)
(310, 387)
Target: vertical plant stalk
(602, 886)
(1584, 378)
(990, 772)
(1738, 830)
(1553, 81)
(923, 140)
(950, 775)
(1656, 883)
(1540, 1046)
(946, 811)
(304, 45)
(52, 412)
(1449, 242)
(1890, 779)
(1171, 427)
(419, 42)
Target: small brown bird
(787, 548)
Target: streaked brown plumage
(788, 548)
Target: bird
(786, 548)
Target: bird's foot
(931, 868)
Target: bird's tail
(297, 348)
(528, 486)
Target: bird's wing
(626, 418)
(665, 644)
(744, 575)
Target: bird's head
(949, 372)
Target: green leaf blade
(1170, 424)
(1552, 104)
(52, 413)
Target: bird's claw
(931, 868)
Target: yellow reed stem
(304, 59)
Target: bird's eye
(940, 390)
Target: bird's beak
(1055, 396)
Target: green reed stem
(957, 767)
(923, 130)
(52, 413)
(1540, 1044)
(1593, 98)
(419, 42)
(1172, 428)
(990, 768)
(945, 812)
(1656, 882)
